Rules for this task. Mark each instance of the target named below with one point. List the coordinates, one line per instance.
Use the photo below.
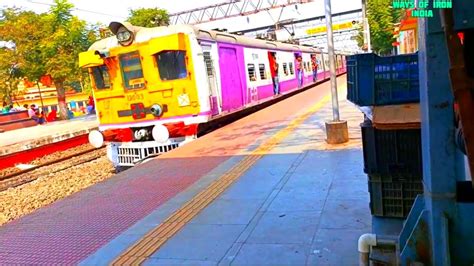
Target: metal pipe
(365, 242)
(332, 64)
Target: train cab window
(285, 69)
(292, 71)
(172, 65)
(251, 70)
(101, 77)
(263, 73)
(132, 70)
(208, 62)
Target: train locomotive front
(148, 94)
(153, 87)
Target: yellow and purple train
(154, 86)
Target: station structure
(268, 189)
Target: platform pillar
(440, 232)
(337, 132)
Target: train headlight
(123, 35)
(156, 110)
(160, 133)
(123, 31)
(96, 138)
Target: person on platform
(42, 117)
(32, 111)
(299, 71)
(91, 106)
(314, 65)
(19, 108)
(52, 116)
(6, 108)
(35, 115)
(274, 73)
(70, 114)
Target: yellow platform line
(153, 240)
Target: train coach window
(172, 65)
(285, 69)
(292, 71)
(263, 74)
(251, 70)
(132, 70)
(101, 77)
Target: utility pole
(336, 130)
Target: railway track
(22, 177)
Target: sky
(105, 11)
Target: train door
(232, 94)
(339, 65)
(321, 70)
(271, 62)
(299, 71)
(327, 73)
(212, 79)
(323, 63)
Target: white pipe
(365, 242)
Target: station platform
(33, 137)
(266, 189)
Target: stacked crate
(387, 90)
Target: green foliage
(19, 27)
(48, 43)
(65, 38)
(149, 17)
(382, 18)
(9, 74)
(360, 35)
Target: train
(154, 87)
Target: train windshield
(101, 77)
(132, 71)
(172, 65)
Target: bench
(15, 120)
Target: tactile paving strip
(152, 241)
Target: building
(406, 34)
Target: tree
(67, 37)
(381, 22)
(23, 29)
(149, 17)
(9, 73)
(49, 44)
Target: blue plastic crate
(374, 80)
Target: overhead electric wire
(76, 9)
